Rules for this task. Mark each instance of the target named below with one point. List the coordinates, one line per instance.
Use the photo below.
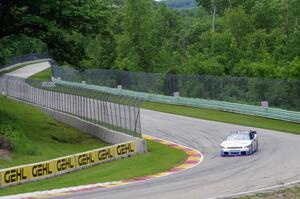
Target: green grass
(232, 118)
(51, 139)
(44, 75)
(159, 158)
(290, 193)
(42, 138)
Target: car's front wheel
(251, 150)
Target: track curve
(276, 162)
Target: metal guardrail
(114, 112)
(282, 94)
(273, 113)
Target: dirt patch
(5, 155)
(5, 144)
(5, 148)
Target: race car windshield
(238, 137)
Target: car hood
(236, 143)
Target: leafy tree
(238, 23)
(135, 50)
(249, 38)
(218, 7)
(291, 71)
(291, 15)
(267, 14)
(55, 22)
(293, 45)
(101, 52)
(19, 45)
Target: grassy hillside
(37, 137)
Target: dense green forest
(252, 38)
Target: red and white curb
(194, 158)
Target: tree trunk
(214, 18)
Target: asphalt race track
(276, 162)
(29, 70)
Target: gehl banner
(42, 170)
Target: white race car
(240, 143)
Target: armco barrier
(273, 113)
(107, 135)
(64, 108)
(59, 166)
(113, 112)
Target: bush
(11, 138)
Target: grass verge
(159, 158)
(290, 193)
(221, 116)
(44, 75)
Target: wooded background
(248, 38)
